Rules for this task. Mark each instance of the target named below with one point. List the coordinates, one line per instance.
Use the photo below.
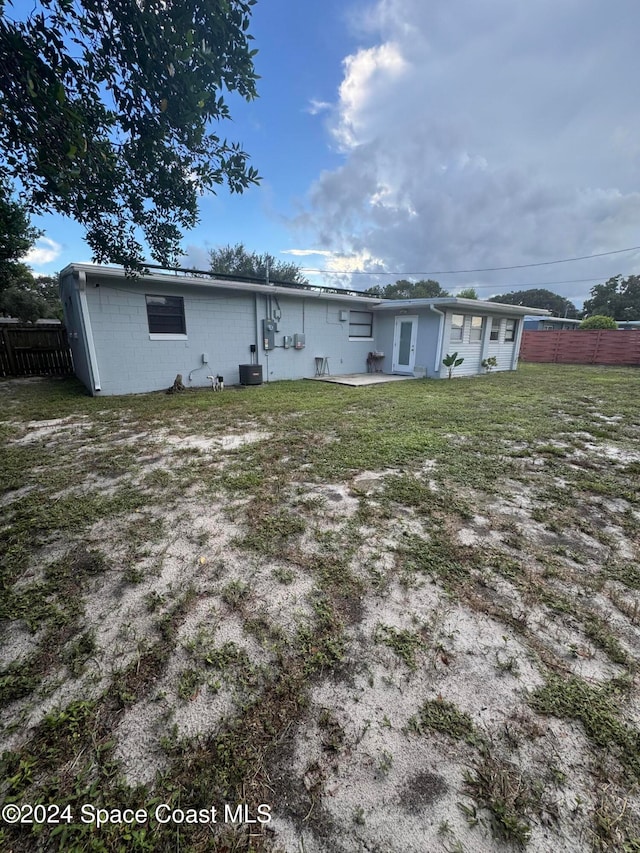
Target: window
(166, 315)
(510, 330)
(495, 330)
(457, 326)
(360, 324)
(475, 334)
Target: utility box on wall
(287, 341)
(298, 341)
(268, 334)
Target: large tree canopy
(106, 108)
(539, 298)
(403, 289)
(237, 260)
(618, 298)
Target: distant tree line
(618, 298)
(22, 294)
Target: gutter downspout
(87, 332)
(255, 299)
(440, 340)
(516, 344)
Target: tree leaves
(538, 298)
(238, 261)
(618, 298)
(113, 102)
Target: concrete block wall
(222, 323)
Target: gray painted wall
(426, 342)
(220, 322)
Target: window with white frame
(166, 315)
(495, 330)
(360, 324)
(457, 327)
(475, 332)
(510, 330)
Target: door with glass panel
(404, 344)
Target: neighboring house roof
(570, 321)
(375, 303)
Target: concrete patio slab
(358, 379)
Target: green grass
(599, 711)
(440, 715)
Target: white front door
(405, 333)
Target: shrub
(598, 321)
(452, 361)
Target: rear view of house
(132, 335)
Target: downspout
(256, 297)
(87, 332)
(516, 344)
(486, 337)
(440, 339)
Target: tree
(21, 295)
(30, 298)
(237, 260)
(598, 321)
(403, 289)
(106, 111)
(539, 298)
(618, 298)
(468, 293)
(16, 237)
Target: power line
(479, 269)
(540, 284)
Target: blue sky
(412, 137)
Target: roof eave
(218, 283)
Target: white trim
(402, 368)
(362, 339)
(440, 343)
(161, 336)
(88, 331)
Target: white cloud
(302, 253)
(315, 107)
(195, 258)
(369, 76)
(45, 251)
(480, 135)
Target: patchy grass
(203, 599)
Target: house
(549, 324)
(132, 335)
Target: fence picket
(34, 351)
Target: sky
(409, 139)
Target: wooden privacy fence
(604, 346)
(34, 351)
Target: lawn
(402, 618)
